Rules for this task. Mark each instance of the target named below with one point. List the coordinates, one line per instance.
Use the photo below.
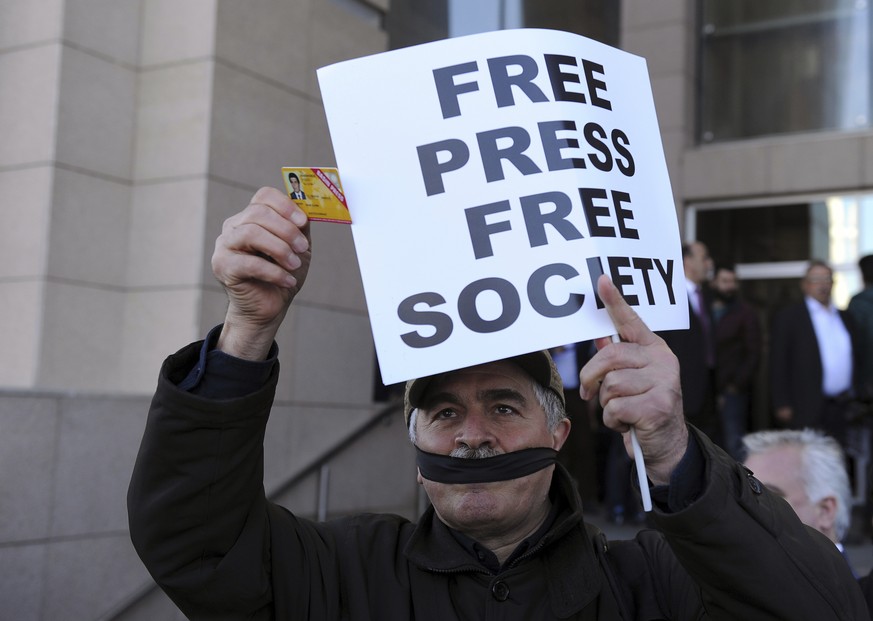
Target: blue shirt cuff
(218, 375)
(686, 483)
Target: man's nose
(475, 432)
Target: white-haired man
(808, 469)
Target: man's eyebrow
(489, 394)
(501, 394)
(444, 396)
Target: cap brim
(537, 364)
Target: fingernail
(298, 217)
(294, 261)
(300, 244)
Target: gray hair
(546, 397)
(824, 466)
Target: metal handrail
(381, 417)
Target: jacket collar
(573, 573)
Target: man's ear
(826, 513)
(560, 434)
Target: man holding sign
(505, 538)
(522, 165)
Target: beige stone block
(638, 14)
(27, 466)
(89, 229)
(172, 127)
(270, 38)
(302, 498)
(665, 48)
(256, 129)
(339, 34)
(105, 26)
(167, 242)
(175, 31)
(154, 605)
(97, 442)
(96, 118)
(24, 22)
(156, 324)
(318, 146)
(88, 578)
(672, 101)
(212, 310)
(810, 163)
(21, 315)
(28, 102)
(334, 278)
(298, 434)
(327, 356)
(81, 333)
(674, 150)
(725, 170)
(23, 570)
(377, 473)
(25, 210)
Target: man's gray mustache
(470, 453)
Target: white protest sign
(490, 178)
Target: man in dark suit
(812, 359)
(737, 351)
(694, 347)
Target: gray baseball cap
(538, 364)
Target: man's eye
(443, 414)
(505, 409)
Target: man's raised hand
(261, 258)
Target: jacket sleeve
(749, 555)
(196, 507)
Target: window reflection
(783, 66)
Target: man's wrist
(246, 342)
(661, 470)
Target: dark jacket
(220, 550)
(795, 364)
(689, 346)
(737, 347)
(861, 310)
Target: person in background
(861, 310)
(808, 469)
(695, 347)
(812, 359)
(737, 352)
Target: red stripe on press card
(330, 186)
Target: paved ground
(860, 551)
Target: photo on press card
(319, 193)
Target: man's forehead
(776, 465)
